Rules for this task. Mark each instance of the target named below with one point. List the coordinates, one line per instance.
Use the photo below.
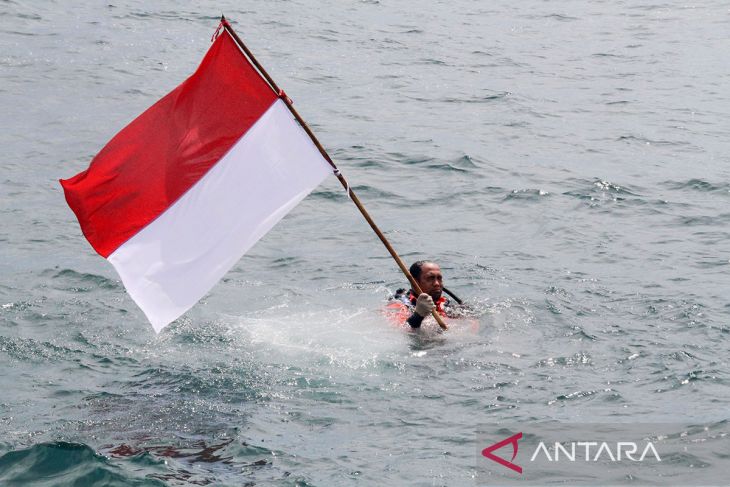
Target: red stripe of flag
(155, 159)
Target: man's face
(431, 280)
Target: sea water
(565, 162)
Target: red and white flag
(183, 191)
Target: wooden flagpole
(340, 177)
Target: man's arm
(415, 320)
(424, 306)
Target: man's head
(428, 275)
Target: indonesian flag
(183, 191)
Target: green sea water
(566, 163)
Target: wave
(62, 463)
(699, 185)
(71, 280)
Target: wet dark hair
(417, 268)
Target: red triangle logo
(487, 452)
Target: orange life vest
(401, 308)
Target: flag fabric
(181, 193)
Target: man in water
(428, 276)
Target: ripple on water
(28, 349)
(62, 463)
(71, 280)
(528, 195)
(598, 192)
(577, 359)
(607, 393)
(700, 186)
